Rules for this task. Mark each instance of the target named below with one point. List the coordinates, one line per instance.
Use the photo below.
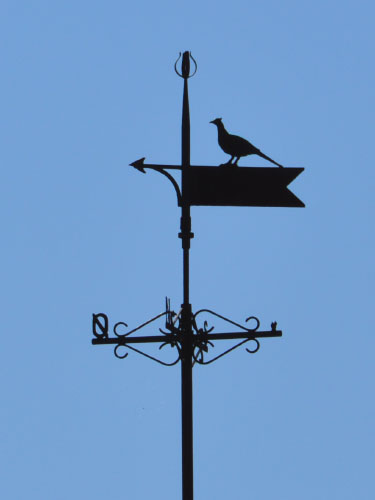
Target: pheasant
(236, 146)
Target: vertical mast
(186, 318)
(185, 162)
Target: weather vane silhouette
(188, 333)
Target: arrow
(140, 165)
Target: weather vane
(189, 333)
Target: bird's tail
(269, 159)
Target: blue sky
(87, 88)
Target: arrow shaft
(161, 167)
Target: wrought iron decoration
(202, 338)
(191, 335)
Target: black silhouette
(236, 146)
(188, 333)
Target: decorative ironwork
(246, 329)
(122, 340)
(119, 346)
(100, 321)
(203, 338)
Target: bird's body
(236, 146)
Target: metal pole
(186, 318)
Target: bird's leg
(236, 162)
(229, 162)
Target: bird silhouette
(236, 146)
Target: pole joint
(185, 234)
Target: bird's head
(217, 121)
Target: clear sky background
(88, 87)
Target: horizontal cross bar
(174, 338)
(240, 335)
(134, 340)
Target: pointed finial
(185, 65)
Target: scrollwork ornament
(117, 351)
(117, 325)
(257, 346)
(118, 354)
(100, 325)
(250, 318)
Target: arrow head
(138, 164)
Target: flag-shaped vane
(233, 186)
(242, 186)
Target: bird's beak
(212, 121)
